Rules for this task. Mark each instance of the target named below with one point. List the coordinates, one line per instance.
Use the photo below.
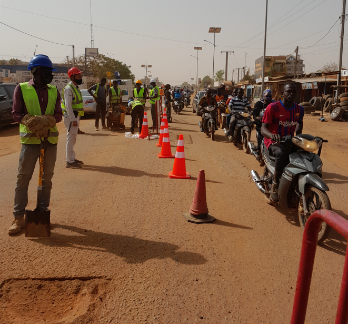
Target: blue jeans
(30, 153)
(228, 118)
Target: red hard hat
(73, 71)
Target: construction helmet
(138, 82)
(42, 61)
(73, 71)
(153, 81)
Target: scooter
(301, 186)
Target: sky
(164, 33)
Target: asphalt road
(121, 251)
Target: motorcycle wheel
(246, 140)
(235, 137)
(213, 132)
(316, 199)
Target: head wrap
(266, 93)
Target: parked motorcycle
(209, 114)
(242, 130)
(301, 186)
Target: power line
(325, 34)
(33, 35)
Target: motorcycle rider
(229, 113)
(207, 100)
(168, 102)
(281, 118)
(187, 95)
(237, 104)
(259, 106)
(178, 96)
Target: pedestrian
(154, 97)
(137, 111)
(100, 97)
(72, 107)
(168, 101)
(36, 106)
(115, 100)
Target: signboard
(5, 73)
(309, 85)
(60, 80)
(344, 73)
(93, 52)
(259, 80)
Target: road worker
(99, 96)
(72, 107)
(115, 100)
(154, 96)
(139, 92)
(137, 111)
(36, 106)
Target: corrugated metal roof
(309, 80)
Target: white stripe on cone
(180, 155)
(165, 139)
(144, 123)
(161, 131)
(180, 143)
(166, 131)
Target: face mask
(150, 86)
(78, 81)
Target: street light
(197, 49)
(215, 30)
(146, 66)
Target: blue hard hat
(40, 60)
(130, 100)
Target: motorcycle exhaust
(256, 178)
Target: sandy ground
(121, 252)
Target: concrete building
(291, 65)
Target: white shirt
(68, 98)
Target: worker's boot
(73, 165)
(17, 225)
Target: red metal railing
(309, 245)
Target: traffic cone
(179, 167)
(159, 144)
(166, 151)
(145, 127)
(165, 117)
(198, 212)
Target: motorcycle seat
(267, 153)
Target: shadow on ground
(334, 178)
(131, 249)
(227, 224)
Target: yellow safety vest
(32, 104)
(77, 102)
(139, 95)
(153, 100)
(136, 103)
(115, 98)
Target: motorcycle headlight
(207, 114)
(307, 145)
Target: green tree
(2, 62)
(219, 75)
(207, 78)
(14, 61)
(98, 67)
(185, 84)
(249, 77)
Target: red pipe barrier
(309, 246)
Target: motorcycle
(259, 137)
(187, 101)
(301, 186)
(222, 113)
(242, 130)
(209, 114)
(178, 106)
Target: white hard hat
(153, 80)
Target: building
(291, 65)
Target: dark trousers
(153, 114)
(137, 111)
(232, 125)
(228, 118)
(259, 138)
(100, 112)
(281, 157)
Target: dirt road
(121, 252)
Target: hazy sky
(163, 33)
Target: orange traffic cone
(179, 168)
(159, 144)
(145, 127)
(166, 151)
(198, 212)
(165, 117)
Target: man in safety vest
(36, 106)
(115, 94)
(72, 107)
(139, 92)
(154, 96)
(137, 110)
(99, 95)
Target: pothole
(51, 300)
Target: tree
(2, 62)
(185, 84)
(207, 78)
(329, 67)
(249, 77)
(219, 75)
(98, 66)
(14, 61)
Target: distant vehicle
(89, 105)
(127, 90)
(6, 102)
(195, 101)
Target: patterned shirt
(237, 104)
(282, 120)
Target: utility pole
(295, 71)
(264, 51)
(67, 59)
(90, 10)
(226, 62)
(343, 18)
(73, 55)
(232, 75)
(243, 72)
(238, 76)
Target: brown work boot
(79, 131)
(73, 165)
(17, 225)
